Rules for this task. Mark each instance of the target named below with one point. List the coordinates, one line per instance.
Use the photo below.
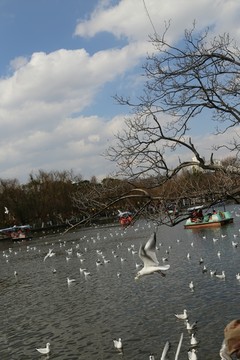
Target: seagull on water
(182, 316)
(193, 340)
(191, 286)
(118, 344)
(221, 276)
(190, 327)
(147, 253)
(213, 272)
(192, 354)
(45, 350)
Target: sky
(62, 62)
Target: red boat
(16, 233)
(125, 218)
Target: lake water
(81, 320)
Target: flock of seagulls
(146, 264)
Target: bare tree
(183, 83)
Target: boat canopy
(15, 228)
(195, 208)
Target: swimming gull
(182, 316)
(191, 286)
(45, 350)
(147, 253)
(193, 340)
(118, 344)
(190, 327)
(192, 355)
(221, 276)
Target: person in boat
(197, 215)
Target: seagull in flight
(6, 211)
(147, 254)
(49, 254)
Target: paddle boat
(125, 217)
(16, 233)
(199, 220)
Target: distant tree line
(62, 198)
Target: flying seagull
(147, 254)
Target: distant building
(196, 168)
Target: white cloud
(44, 102)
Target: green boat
(215, 218)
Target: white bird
(192, 355)
(45, 350)
(191, 286)
(213, 272)
(147, 253)
(234, 243)
(151, 357)
(49, 254)
(182, 316)
(193, 340)
(6, 211)
(221, 276)
(238, 276)
(118, 344)
(69, 281)
(190, 327)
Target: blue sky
(61, 63)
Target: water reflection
(81, 319)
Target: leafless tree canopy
(181, 84)
(200, 76)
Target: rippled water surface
(81, 320)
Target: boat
(16, 233)
(198, 220)
(125, 217)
